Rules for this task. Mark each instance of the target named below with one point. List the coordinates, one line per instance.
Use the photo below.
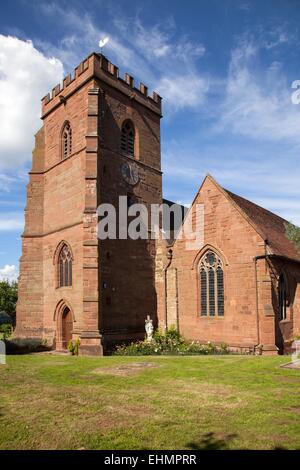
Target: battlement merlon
(97, 65)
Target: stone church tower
(100, 139)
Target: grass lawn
(215, 402)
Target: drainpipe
(255, 259)
(169, 257)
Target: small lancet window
(211, 278)
(65, 267)
(282, 295)
(66, 141)
(127, 138)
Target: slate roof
(270, 226)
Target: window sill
(210, 317)
(128, 155)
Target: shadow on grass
(211, 442)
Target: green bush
(5, 331)
(8, 299)
(5, 318)
(25, 346)
(169, 342)
(73, 347)
(292, 232)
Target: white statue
(149, 329)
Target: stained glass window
(220, 291)
(212, 300)
(65, 267)
(211, 285)
(203, 280)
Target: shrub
(169, 342)
(139, 348)
(73, 347)
(8, 298)
(292, 232)
(25, 346)
(5, 331)
(5, 318)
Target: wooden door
(67, 327)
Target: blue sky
(223, 68)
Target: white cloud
(258, 174)
(152, 54)
(9, 273)
(159, 42)
(6, 182)
(257, 102)
(11, 221)
(172, 60)
(26, 75)
(183, 91)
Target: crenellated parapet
(98, 66)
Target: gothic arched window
(65, 267)
(282, 297)
(66, 141)
(127, 138)
(211, 277)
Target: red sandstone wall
(62, 201)
(237, 242)
(127, 267)
(55, 205)
(30, 292)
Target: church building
(100, 140)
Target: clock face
(130, 173)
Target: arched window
(65, 267)
(66, 141)
(282, 297)
(127, 138)
(211, 279)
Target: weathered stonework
(117, 283)
(62, 200)
(251, 317)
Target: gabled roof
(270, 226)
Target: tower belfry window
(127, 138)
(66, 141)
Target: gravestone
(2, 353)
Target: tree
(292, 232)
(8, 298)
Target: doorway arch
(64, 318)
